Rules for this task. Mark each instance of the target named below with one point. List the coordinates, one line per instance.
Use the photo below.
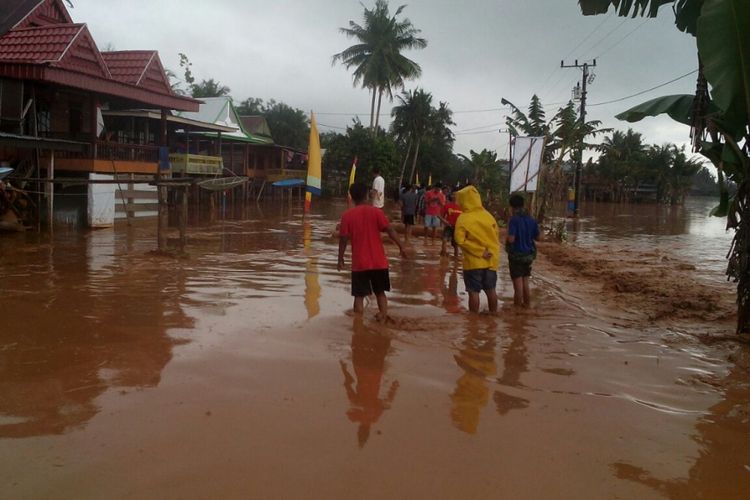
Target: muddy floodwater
(237, 372)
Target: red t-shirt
(434, 201)
(451, 211)
(363, 225)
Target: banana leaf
(724, 47)
(678, 108)
(623, 7)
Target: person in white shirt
(377, 194)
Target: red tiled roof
(128, 65)
(31, 13)
(138, 67)
(49, 49)
(38, 45)
(68, 46)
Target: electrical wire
(607, 18)
(331, 126)
(622, 39)
(458, 112)
(610, 33)
(645, 91)
(494, 131)
(480, 127)
(591, 33)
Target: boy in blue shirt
(523, 232)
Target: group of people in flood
(466, 225)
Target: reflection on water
(77, 320)
(515, 363)
(369, 351)
(686, 230)
(90, 311)
(477, 360)
(725, 452)
(312, 285)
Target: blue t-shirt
(526, 230)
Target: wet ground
(237, 372)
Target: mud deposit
(238, 373)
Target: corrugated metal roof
(220, 110)
(256, 125)
(180, 120)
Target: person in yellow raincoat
(478, 236)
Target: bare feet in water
(384, 319)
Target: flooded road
(237, 372)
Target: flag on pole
(416, 181)
(313, 164)
(352, 175)
(429, 180)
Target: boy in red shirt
(363, 225)
(451, 211)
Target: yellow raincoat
(476, 231)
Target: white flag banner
(527, 161)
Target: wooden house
(69, 110)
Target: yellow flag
(313, 164)
(416, 181)
(429, 180)
(352, 175)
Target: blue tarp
(287, 183)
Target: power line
(622, 39)
(459, 112)
(481, 127)
(546, 80)
(610, 33)
(588, 36)
(331, 126)
(494, 131)
(645, 91)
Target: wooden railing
(126, 152)
(196, 164)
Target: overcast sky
(479, 52)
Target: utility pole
(579, 156)
(510, 151)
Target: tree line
(630, 170)
(418, 145)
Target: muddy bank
(654, 283)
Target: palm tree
(412, 118)
(209, 88)
(377, 60)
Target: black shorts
(519, 269)
(374, 281)
(477, 280)
(448, 234)
(408, 220)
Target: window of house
(43, 119)
(75, 118)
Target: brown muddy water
(238, 373)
